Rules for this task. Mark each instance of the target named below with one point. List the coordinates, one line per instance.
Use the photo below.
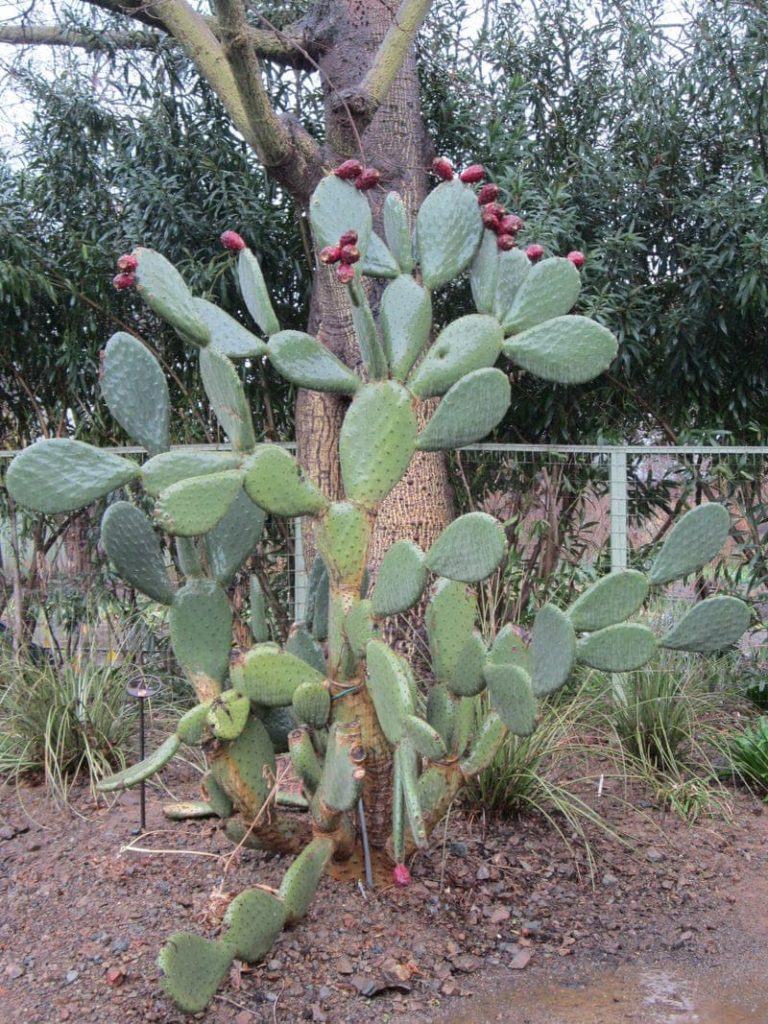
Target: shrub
(749, 754)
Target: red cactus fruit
(232, 241)
(534, 252)
(330, 254)
(349, 254)
(127, 263)
(345, 273)
(123, 281)
(368, 179)
(578, 259)
(511, 224)
(506, 242)
(348, 238)
(490, 219)
(401, 875)
(349, 170)
(443, 168)
(488, 193)
(472, 174)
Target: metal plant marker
(141, 691)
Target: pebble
(609, 880)
(72, 976)
(120, 945)
(654, 856)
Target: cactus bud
(487, 194)
(345, 273)
(127, 263)
(368, 179)
(505, 241)
(349, 254)
(490, 219)
(330, 254)
(577, 258)
(443, 168)
(123, 281)
(232, 241)
(534, 252)
(349, 170)
(348, 238)
(511, 224)
(472, 174)
(401, 875)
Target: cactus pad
(508, 648)
(514, 267)
(188, 810)
(306, 362)
(136, 773)
(692, 542)
(275, 481)
(711, 625)
(312, 704)
(245, 768)
(193, 968)
(253, 921)
(466, 679)
(441, 711)
(303, 645)
(378, 261)
(342, 538)
(59, 475)
(401, 579)
(270, 676)
(227, 397)
(469, 411)
(612, 599)
(258, 617)
(483, 274)
(302, 878)
(407, 757)
(469, 549)
(618, 648)
(233, 538)
(201, 634)
(396, 231)
(492, 734)
(228, 714)
(196, 505)
(450, 620)
(389, 688)
(133, 548)
(359, 628)
(135, 390)
(425, 739)
(164, 290)
(167, 469)
(511, 693)
(406, 321)
(553, 649)
(336, 207)
(550, 289)
(254, 292)
(367, 333)
(448, 230)
(228, 336)
(567, 349)
(193, 725)
(469, 343)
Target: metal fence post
(618, 493)
(300, 581)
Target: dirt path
(498, 925)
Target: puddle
(626, 996)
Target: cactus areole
(337, 698)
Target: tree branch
(56, 35)
(366, 98)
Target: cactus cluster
(337, 696)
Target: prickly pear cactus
(337, 694)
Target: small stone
(498, 914)
(654, 855)
(324, 993)
(345, 966)
(609, 880)
(483, 874)
(120, 945)
(13, 971)
(459, 848)
(72, 976)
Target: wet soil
(500, 923)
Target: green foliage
(749, 754)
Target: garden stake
(141, 692)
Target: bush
(749, 754)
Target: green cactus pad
(193, 968)
(253, 921)
(367, 335)
(302, 878)
(228, 714)
(432, 790)
(401, 579)
(254, 291)
(406, 322)
(450, 621)
(492, 734)
(194, 506)
(508, 648)
(409, 779)
(388, 686)
(279, 723)
(550, 289)
(513, 269)
(396, 231)
(483, 273)
(270, 676)
(201, 633)
(463, 726)
(304, 758)
(193, 726)
(303, 645)
(553, 649)
(511, 692)
(336, 207)
(448, 230)
(469, 549)
(618, 648)
(227, 397)
(170, 468)
(234, 537)
(377, 440)
(319, 591)
(258, 617)
(228, 336)
(164, 290)
(466, 679)
(239, 767)
(59, 475)
(312, 704)
(342, 536)
(709, 626)
(612, 599)
(133, 548)
(188, 810)
(692, 542)
(378, 261)
(188, 557)
(306, 362)
(426, 740)
(469, 411)
(275, 481)
(469, 343)
(217, 798)
(136, 392)
(567, 349)
(441, 711)
(358, 626)
(143, 770)
(339, 787)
